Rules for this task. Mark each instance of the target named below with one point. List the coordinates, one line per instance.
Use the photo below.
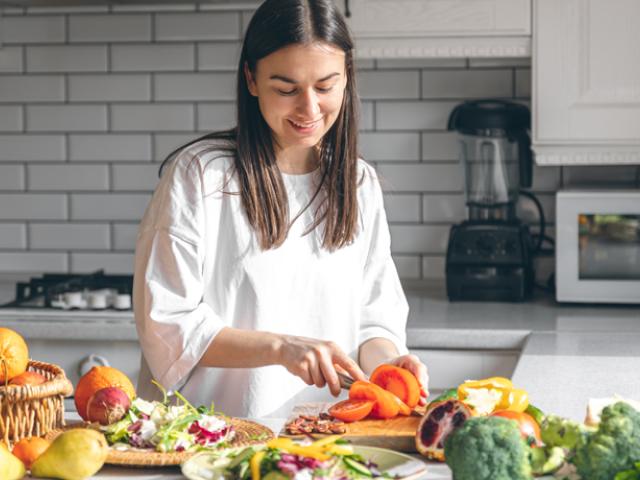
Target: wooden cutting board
(396, 434)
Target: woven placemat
(246, 433)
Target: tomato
(351, 410)
(399, 381)
(385, 405)
(529, 428)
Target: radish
(108, 405)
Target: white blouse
(199, 268)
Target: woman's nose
(308, 104)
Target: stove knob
(93, 360)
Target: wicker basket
(33, 410)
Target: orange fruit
(28, 449)
(28, 378)
(98, 378)
(14, 355)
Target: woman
(267, 246)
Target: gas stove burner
(94, 291)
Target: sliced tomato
(529, 428)
(351, 410)
(384, 407)
(399, 381)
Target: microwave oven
(598, 246)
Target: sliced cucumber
(245, 454)
(357, 467)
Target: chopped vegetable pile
(282, 458)
(169, 428)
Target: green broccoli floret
(488, 448)
(614, 447)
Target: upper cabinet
(439, 28)
(586, 82)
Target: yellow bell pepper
(331, 439)
(280, 442)
(510, 398)
(254, 464)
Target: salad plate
(383, 464)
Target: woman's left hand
(415, 366)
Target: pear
(74, 455)
(11, 468)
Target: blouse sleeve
(384, 308)
(174, 325)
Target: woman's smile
(304, 127)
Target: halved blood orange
(399, 381)
(351, 410)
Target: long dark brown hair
(276, 24)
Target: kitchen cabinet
(586, 82)
(449, 368)
(439, 28)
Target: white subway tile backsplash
(467, 83)
(433, 267)
(109, 28)
(36, 262)
(216, 116)
(109, 88)
(366, 116)
(154, 7)
(408, 266)
(440, 146)
(68, 177)
(10, 118)
(152, 57)
(33, 29)
(443, 208)
(390, 146)
(523, 82)
(421, 63)
(31, 88)
(69, 236)
(11, 177)
(420, 177)
(67, 58)
(10, 59)
(25, 148)
(165, 143)
(33, 206)
(402, 208)
(393, 84)
(218, 56)
(135, 177)
(546, 179)
(13, 236)
(413, 115)
(622, 175)
(365, 64)
(419, 238)
(152, 117)
(197, 26)
(124, 236)
(194, 86)
(528, 212)
(63, 118)
(110, 147)
(113, 206)
(112, 263)
(60, 9)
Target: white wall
(92, 98)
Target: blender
(489, 255)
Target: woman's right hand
(315, 361)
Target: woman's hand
(315, 361)
(415, 366)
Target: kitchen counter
(568, 353)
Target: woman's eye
(286, 92)
(324, 90)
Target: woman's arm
(314, 361)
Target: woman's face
(300, 90)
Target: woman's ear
(251, 83)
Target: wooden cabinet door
(586, 81)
